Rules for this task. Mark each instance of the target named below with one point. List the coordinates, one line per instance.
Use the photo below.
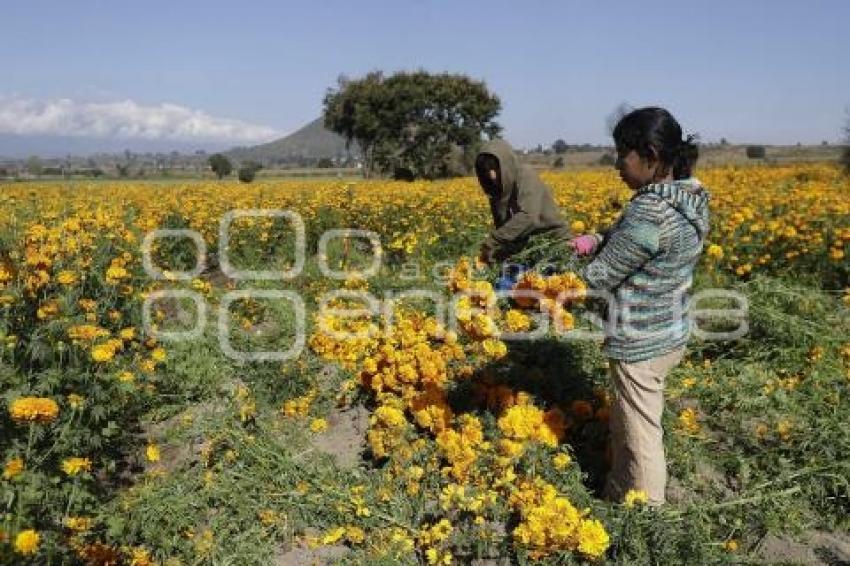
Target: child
(646, 261)
(521, 204)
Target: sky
(183, 74)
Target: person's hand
(584, 245)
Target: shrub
(756, 151)
(248, 170)
(607, 159)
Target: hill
(308, 144)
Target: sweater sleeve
(628, 246)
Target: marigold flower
(13, 468)
(593, 539)
(635, 497)
(102, 353)
(75, 465)
(152, 452)
(34, 409)
(27, 541)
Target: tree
(606, 159)
(560, 146)
(248, 170)
(559, 163)
(220, 165)
(845, 155)
(34, 166)
(411, 123)
(756, 151)
(325, 163)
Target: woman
(646, 263)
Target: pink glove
(584, 245)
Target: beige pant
(637, 446)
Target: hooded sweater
(524, 207)
(646, 262)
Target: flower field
(395, 436)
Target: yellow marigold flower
(126, 377)
(140, 556)
(158, 355)
(115, 274)
(517, 321)
(78, 524)
(76, 401)
(578, 227)
(127, 333)
(102, 353)
(73, 466)
(354, 534)
(319, 425)
(13, 468)
(561, 460)
(635, 497)
(66, 277)
(268, 517)
(152, 452)
(333, 536)
(389, 416)
(34, 409)
(87, 332)
(731, 545)
(715, 251)
(784, 428)
(494, 349)
(593, 539)
(26, 542)
(47, 310)
(688, 421)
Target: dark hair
(486, 162)
(654, 131)
(483, 163)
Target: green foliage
(248, 170)
(220, 165)
(34, 166)
(606, 159)
(409, 124)
(756, 151)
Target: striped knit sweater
(646, 261)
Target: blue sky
(226, 72)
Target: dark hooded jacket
(523, 208)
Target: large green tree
(412, 124)
(220, 165)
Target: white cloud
(124, 119)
